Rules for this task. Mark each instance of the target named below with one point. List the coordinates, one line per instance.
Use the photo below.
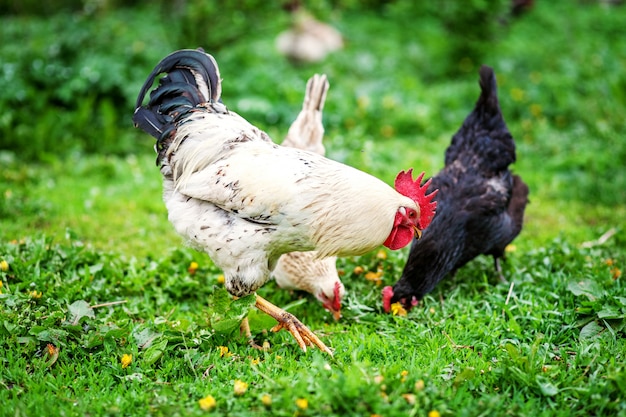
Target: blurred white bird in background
(308, 39)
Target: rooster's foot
(288, 321)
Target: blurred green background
(401, 86)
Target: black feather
(191, 59)
(480, 204)
(150, 122)
(192, 79)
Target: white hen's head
(332, 302)
(303, 271)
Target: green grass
(555, 338)
(84, 231)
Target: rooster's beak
(336, 315)
(418, 232)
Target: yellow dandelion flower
(53, 354)
(52, 350)
(419, 385)
(510, 248)
(207, 403)
(527, 124)
(193, 267)
(4, 266)
(410, 398)
(535, 110)
(266, 399)
(431, 310)
(1, 284)
(398, 310)
(381, 254)
(220, 279)
(375, 415)
(389, 102)
(302, 403)
(358, 270)
(35, 294)
(517, 94)
(240, 387)
(387, 131)
(255, 361)
(363, 102)
(126, 360)
(374, 277)
(403, 375)
(434, 413)
(223, 351)
(616, 273)
(609, 262)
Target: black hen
(480, 205)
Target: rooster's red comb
(406, 186)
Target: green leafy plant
(602, 309)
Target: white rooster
(305, 270)
(234, 194)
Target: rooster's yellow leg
(245, 329)
(286, 320)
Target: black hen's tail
(193, 78)
(483, 142)
(487, 105)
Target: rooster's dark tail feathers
(193, 78)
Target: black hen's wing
(479, 157)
